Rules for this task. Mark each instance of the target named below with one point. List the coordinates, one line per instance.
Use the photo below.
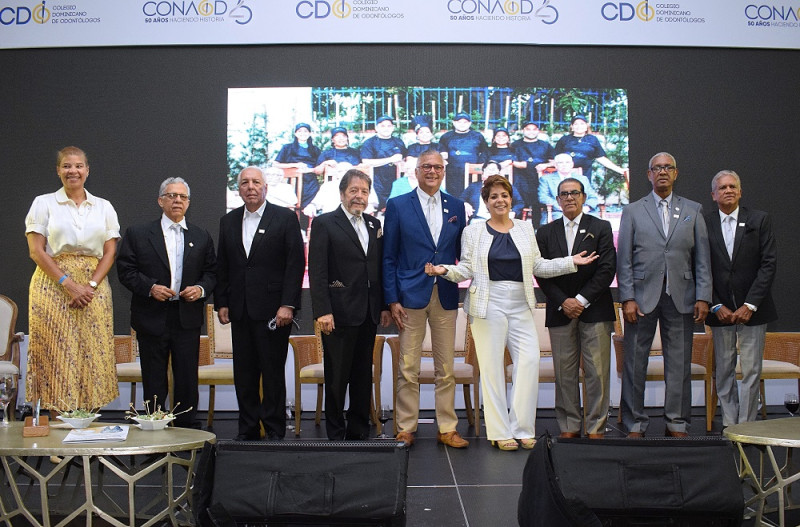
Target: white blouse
(72, 229)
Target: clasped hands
(163, 293)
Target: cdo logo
(22, 15)
(323, 9)
(624, 11)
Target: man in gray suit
(664, 276)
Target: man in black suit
(169, 266)
(580, 311)
(344, 271)
(743, 262)
(261, 263)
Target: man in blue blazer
(664, 276)
(170, 267)
(423, 226)
(743, 261)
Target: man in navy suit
(424, 226)
(344, 271)
(580, 312)
(743, 262)
(169, 265)
(260, 276)
(664, 276)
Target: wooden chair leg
(319, 404)
(133, 394)
(468, 405)
(764, 398)
(711, 404)
(212, 393)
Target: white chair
(218, 345)
(9, 360)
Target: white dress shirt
(432, 211)
(250, 223)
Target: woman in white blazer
(501, 256)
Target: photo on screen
(306, 138)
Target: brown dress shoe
(452, 439)
(405, 437)
(673, 433)
(569, 435)
(597, 436)
(635, 435)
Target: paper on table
(92, 435)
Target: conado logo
(22, 15)
(240, 12)
(323, 9)
(772, 12)
(624, 12)
(539, 8)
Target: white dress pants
(509, 322)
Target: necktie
(570, 236)
(433, 219)
(358, 225)
(664, 216)
(728, 234)
(177, 274)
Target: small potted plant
(158, 419)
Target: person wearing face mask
(72, 237)
(344, 274)
(500, 257)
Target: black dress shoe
(247, 437)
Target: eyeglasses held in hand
(273, 324)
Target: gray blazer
(645, 256)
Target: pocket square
(380, 233)
(452, 219)
(588, 235)
(336, 283)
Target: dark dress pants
(154, 354)
(348, 360)
(259, 360)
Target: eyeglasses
(565, 194)
(427, 167)
(658, 168)
(174, 196)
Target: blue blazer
(408, 246)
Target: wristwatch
(92, 284)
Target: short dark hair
(492, 181)
(350, 174)
(571, 180)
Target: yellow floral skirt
(71, 350)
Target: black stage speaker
(301, 483)
(621, 482)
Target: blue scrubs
(584, 150)
(340, 155)
(417, 148)
(469, 147)
(526, 180)
(383, 176)
(297, 153)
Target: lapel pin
(446, 211)
(675, 215)
(370, 224)
(582, 231)
(260, 231)
(191, 244)
(741, 224)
